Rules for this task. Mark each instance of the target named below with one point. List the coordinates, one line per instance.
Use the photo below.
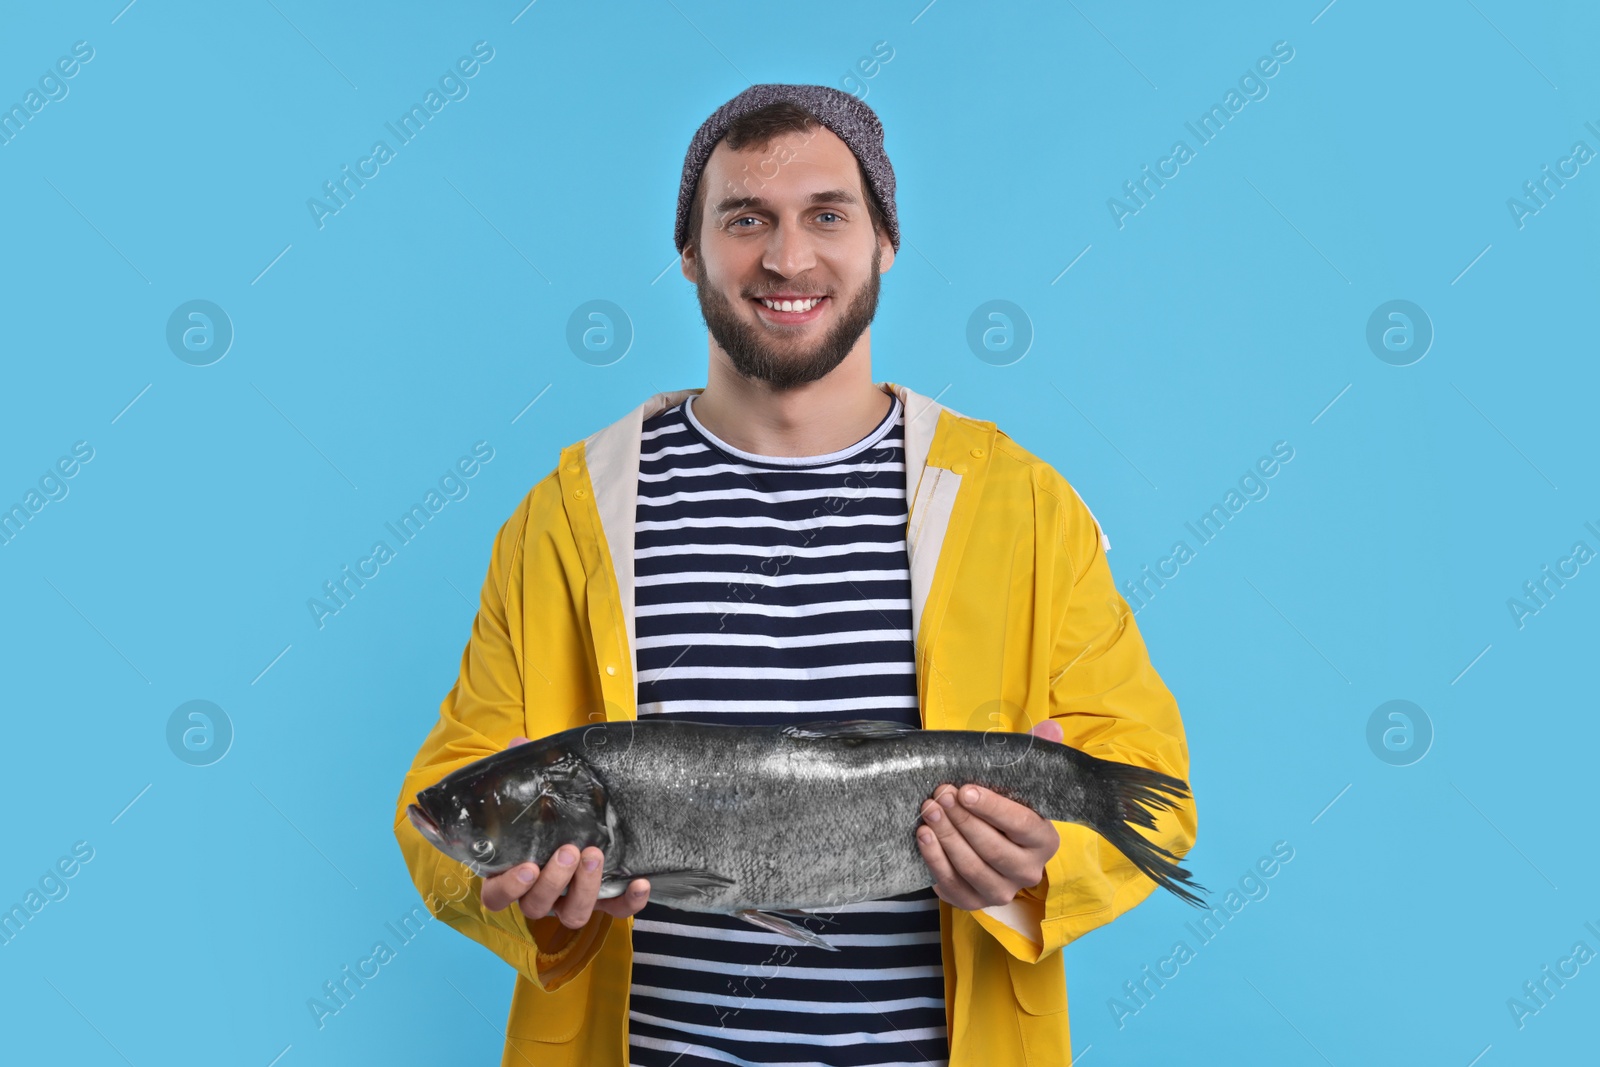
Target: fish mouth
(425, 825)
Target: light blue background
(1227, 315)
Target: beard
(785, 364)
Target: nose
(790, 250)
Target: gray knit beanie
(848, 117)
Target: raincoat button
(580, 493)
(959, 468)
(610, 669)
(572, 468)
(977, 453)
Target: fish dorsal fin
(768, 921)
(859, 729)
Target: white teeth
(792, 305)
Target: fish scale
(794, 824)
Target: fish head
(516, 806)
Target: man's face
(786, 220)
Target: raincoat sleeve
(1110, 703)
(480, 715)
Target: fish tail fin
(1131, 795)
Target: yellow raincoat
(1015, 618)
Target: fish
(764, 822)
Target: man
(795, 542)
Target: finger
(947, 884)
(1021, 862)
(1017, 821)
(541, 897)
(989, 883)
(973, 877)
(987, 843)
(518, 740)
(632, 899)
(503, 888)
(576, 907)
(1050, 730)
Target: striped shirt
(776, 589)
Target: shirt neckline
(884, 426)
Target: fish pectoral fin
(666, 886)
(769, 921)
(860, 729)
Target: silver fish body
(753, 819)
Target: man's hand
(983, 848)
(539, 893)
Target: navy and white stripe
(773, 589)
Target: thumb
(518, 740)
(1050, 730)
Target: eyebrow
(745, 203)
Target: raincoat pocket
(1041, 988)
(550, 1017)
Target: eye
(746, 218)
(834, 214)
(482, 847)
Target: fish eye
(482, 847)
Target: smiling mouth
(798, 313)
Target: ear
(887, 248)
(688, 262)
